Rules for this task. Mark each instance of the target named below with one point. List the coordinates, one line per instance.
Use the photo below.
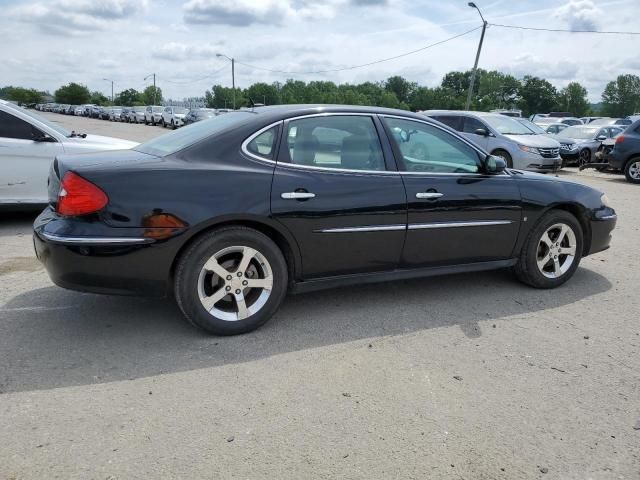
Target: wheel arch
(280, 236)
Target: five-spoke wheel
(556, 250)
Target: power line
(563, 30)
(361, 65)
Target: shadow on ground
(55, 338)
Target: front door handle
(297, 195)
(429, 195)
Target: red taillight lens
(620, 139)
(78, 196)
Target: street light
(108, 80)
(233, 75)
(154, 86)
(475, 65)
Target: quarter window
(344, 142)
(263, 145)
(425, 148)
(471, 125)
(453, 121)
(14, 127)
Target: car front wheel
(231, 281)
(552, 251)
(584, 157)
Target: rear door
(456, 213)
(24, 163)
(334, 191)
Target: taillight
(78, 196)
(620, 139)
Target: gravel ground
(464, 377)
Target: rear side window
(452, 121)
(263, 145)
(14, 127)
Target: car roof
(460, 113)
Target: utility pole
(154, 86)
(107, 80)
(475, 65)
(233, 75)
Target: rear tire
(632, 170)
(235, 257)
(505, 155)
(552, 251)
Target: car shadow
(56, 338)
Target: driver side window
(425, 148)
(14, 127)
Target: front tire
(552, 251)
(584, 157)
(231, 281)
(504, 155)
(632, 170)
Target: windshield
(581, 133)
(51, 125)
(506, 125)
(158, 109)
(186, 136)
(532, 126)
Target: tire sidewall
(536, 278)
(504, 155)
(627, 167)
(190, 265)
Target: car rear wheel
(632, 170)
(552, 252)
(231, 281)
(505, 156)
(173, 125)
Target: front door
(456, 213)
(332, 189)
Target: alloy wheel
(634, 170)
(556, 250)
(235, 283)
(585, 157)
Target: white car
(136, 114)
(78, 111)
(28, 145)
(153, 114)
(173, 117)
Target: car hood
(540, 141)
(561, 139)
(96, 142)
(580, 140)
(179, 115)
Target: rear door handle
(429, 195)
(297, 195)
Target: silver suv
(504, 137)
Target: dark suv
(625, 154)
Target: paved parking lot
(466, 377)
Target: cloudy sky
(47, 43)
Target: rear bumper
(615, 159)
(601, 228)
(123, 264)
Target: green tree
(73, 93)
(497, 90)
(98, 98)
(573, 98)
(263, 93)
(537, 96)
(21, 95)
(222, 97)
(401, 87)
(621, 97)
(128, 97)
(152, 95)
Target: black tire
(527, 270)
(505, 155)
(173, 125)
(153, 121)
(632, 166)
(163, 124)
(188, 275)
(584, 157)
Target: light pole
(154, 85)
(233, 75)
(475, 65)
(107, 80)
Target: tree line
(492, 90)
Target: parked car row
(165, 116)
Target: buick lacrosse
(231, 213)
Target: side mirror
(404, 135)
(481, 131)
(601, 138)
(38, 136)
(495, 164)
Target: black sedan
(231, 213)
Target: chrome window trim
(64, 240)
(365, 172)
(372, 228)
(476, 223)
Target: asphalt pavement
(469, 376)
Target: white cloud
(580, 14)
(183, 51)
(239, 13)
